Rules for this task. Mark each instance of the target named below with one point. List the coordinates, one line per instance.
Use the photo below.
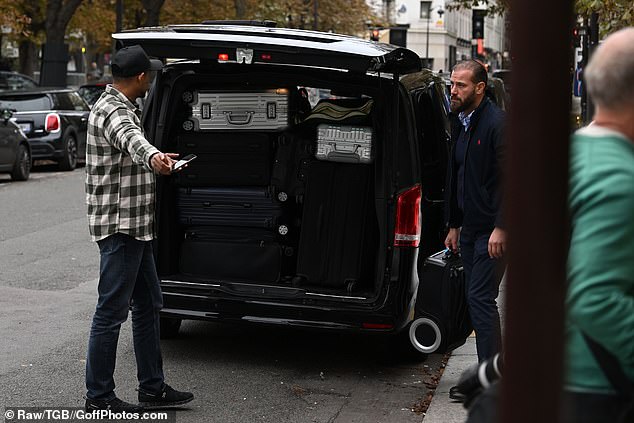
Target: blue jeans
(482, 283)
(127, 277)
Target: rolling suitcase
(263, 110)
(442, 317)
(347, 144)
(224, 206)
(336, 232)
(218, 253)
(236, 159)
(293, 154)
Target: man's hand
(162, 163)
(173, 157)
(451, 241)
(497, 243)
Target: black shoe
(115, 405)
(456, 395)
(167, 397)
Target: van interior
(287, 188)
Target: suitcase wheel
(419, 332)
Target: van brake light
(408, 222)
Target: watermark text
(68, 414)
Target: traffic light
(576, 39)
(375, 34)
(477, 24)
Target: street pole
(118, 22)
(427, 40)
(440, 13)
(315, 15)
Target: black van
(317, 191)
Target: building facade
(441, 35)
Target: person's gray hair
(609, 76)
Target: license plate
(26, 127)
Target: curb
(442, 409)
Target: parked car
(15, 81)
(504, 75)
(497, 92)
(54, 120)
(294, 214)
(15, 152)
(91, 92)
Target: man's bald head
(610, 74)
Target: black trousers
(481, 274)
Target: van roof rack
(266, 23)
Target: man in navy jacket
(473, 198)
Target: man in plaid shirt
(120, 192)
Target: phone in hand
(182, 162)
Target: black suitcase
(231, 253)
(252, 207)
(236, 159)
(442, 316)
(336, 233)
(293, 154)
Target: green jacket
(600, 298)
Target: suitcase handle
(240, 119)
(346, 149)
(209, 205)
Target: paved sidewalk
(442, 409)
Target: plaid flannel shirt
(120, 183)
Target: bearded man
(473, 200)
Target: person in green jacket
(600, 299)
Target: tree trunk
(58, 14)
(55, 52)
(27, 57)
(152, 11)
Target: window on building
(425, 9)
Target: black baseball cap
(131, 61)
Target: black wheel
(170, 327)
(69, 161)
(22, 166)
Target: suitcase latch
(271, 110)
(205, 110)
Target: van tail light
(52, 123)
(408, 223)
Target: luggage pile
(270, 201)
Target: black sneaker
(167, 397)
(115, 405)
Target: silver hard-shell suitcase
(344, 143)
(249, 110)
